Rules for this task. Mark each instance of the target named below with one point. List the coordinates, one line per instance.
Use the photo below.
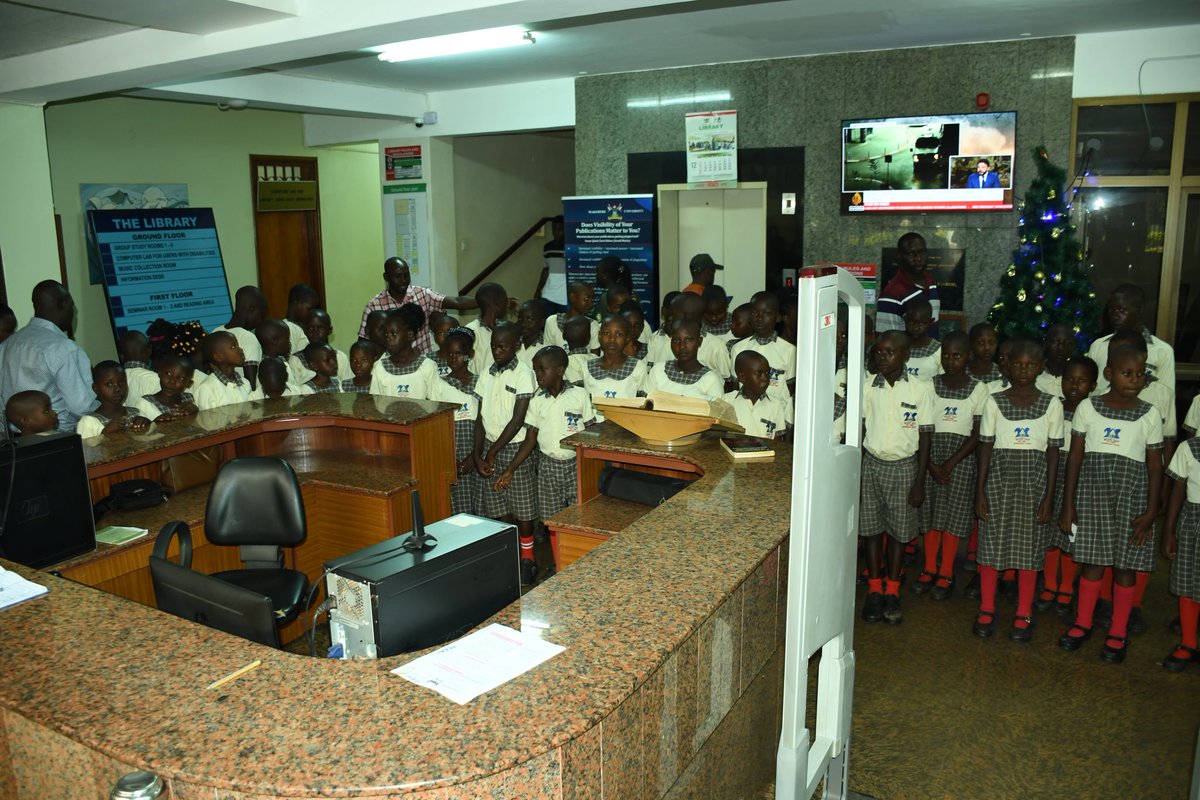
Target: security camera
(420, 123)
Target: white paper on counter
(15, 589)
(474, 664)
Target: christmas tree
(1047, 281)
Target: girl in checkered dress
(684, 374)
(1058, 570)
(948, 513)
(1181, 544)
(363, 355)
(614, 374)
(403, 372)
(1020, 435)
(982, 364)
(172, 401)
(924, 357)
(1112, 496)
(458, 386)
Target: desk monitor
(45, 500)
(211, 601)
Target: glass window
(1187, 325)
(1126, 140)
(1121, 230)
(1191, 142)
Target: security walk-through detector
(824, 534)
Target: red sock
(526, 547)
(1010, 574)
(1050, 570)
(1088, 592)
(949, 550)
(932, 539)
(987, 589)
(1122, 605)
(1189, 616)
(1140, 581)
(1026, 584)
(973, 542)
(1106, 584)
(1066, 569)
(875, 585)
(891, 587)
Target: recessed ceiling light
(1026, 34)
(455, 44)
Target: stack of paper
(15, 589)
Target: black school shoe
(1173, 663)
(529, 572)
(939, 592)
(1072, 643)
(1021, 635)
(984, 630)
(1137, 623)
(1114, 655)
(892, 614)
(872, 610)
(973, 592)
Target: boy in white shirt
(759, 412)
(224, 357)
(249, 309)
(780, 353)
(133, 348)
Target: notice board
(161, 263)
(620, 225)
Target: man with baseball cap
(704, 271)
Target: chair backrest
(201, 598)
(255, 500)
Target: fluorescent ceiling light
(455, 44)
(655, 102)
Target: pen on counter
(237, 673)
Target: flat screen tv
(952, 162)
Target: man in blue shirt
(983, 177)
(42, 356)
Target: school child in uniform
(30, 412)
(492, 300)
(510, 490)
(659, 346)
(223, 355)
(1059, 345)
(716, 311)
(275, 342)
(439, 327)
(302, 299)
(684, 374)
(1112, 497)
(112, 415)
(948, 513)
(458, 386)
(1019, 439)
(403, 372)
(614, 373)
(739, 327)
(531, 322)
(759, 412)
(580, 297)
(780, 354)
(898, 420)
(133, 348)
(374, 328)
(1123, 311)
(1181, 544)
(172, 401)
(249, 309)
(577, 333)
(274, 382)
(982, 365)
(318, 327)
(615, 296)
(322, 360)
(712, 354)
(639, 335)
(363, 355)
(556, 410)
(1058, 569)
(924, 355)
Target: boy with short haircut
(322, 360)
(531, 322)
(318, 327)
(924, 351)
(898, 422)
(133, 348)
(492, 300)
(739, 327)
(302, 299)
(712, 353)
(760, 413)
(716, 310)
(1124, 312)
(112, 415)
(780, 354)
(224, 357)
(373, 327)
(275, 342)
(273, 381)
(249, 310)
(172, 401)
(580, 297)
(504, 392)
(30, 412)
(577, 333)
(363, 355)
(1058, 344)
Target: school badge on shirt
(1112, 437)
(572, 421)
(1021, 435)
(910, 416)
(950, 414)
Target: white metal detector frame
(824, 537)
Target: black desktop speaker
(45, 500)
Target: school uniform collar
(574, 351)
(761, 397)
(236, 380)
(496, 369)
(765, 340)
(543, 393)
(882, 381)
(132, 364)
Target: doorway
(287, 242)
(728, 223)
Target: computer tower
(392, 600)
(45, 499)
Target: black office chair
(255, 504)
(184, 592)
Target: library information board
(161, 263)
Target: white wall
(27, 239)
(1106, 64)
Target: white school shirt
(895, 416)
(141, 381)
(1160, 360)
(658, 349)
(999, 385)
(92, 424)
(482, 359)
(556, 418)
(708, 386)
(249, 344)
(1163, 400)
(577, 367)
(1050, 384)
(527, 352)
(445, 392)
(498, 391)
(840, 380)
(715, 355)
(301, 372)
(768, 417)
(1128, 438)
(952, 415)
(779, 353)
(1025, 434)
(413, 384)
(299, 339)
(553, 334)
(1185, 465)
(1191, 420)
(925, 367)
(220, 391)
(600, 382)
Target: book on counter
(718, 410)
(118, 534)
(747, 448)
